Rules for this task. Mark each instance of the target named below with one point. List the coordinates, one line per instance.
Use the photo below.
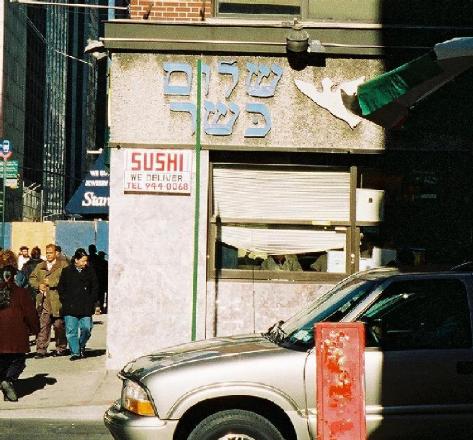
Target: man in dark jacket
(78, 289)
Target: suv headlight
(135, 399)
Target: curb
(71, 412)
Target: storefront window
(374, 250)
(280, 248)
(320, 222)
(272, 222)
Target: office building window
(259, 7)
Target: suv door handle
(465, 367)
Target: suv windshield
(332, 307)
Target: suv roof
(387, 272)
(463, 267)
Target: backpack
(21, 280)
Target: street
(45, 429)
(58, 397)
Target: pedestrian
(34, 260)
(8, 258)
(44, 279)
(78, 289)
(60, 255)
(18, 319)
(23, 256)
(30, 265)
(103, 280)
(100, 266)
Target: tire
(235, 424)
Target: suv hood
(196, 352)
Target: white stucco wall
(239, 307)
(151, 267)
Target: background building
(51, 103)
(13, 68)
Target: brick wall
(170, 10)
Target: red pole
(340, 381)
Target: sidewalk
(56, 388)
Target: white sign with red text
(158, 171)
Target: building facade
(49, 100)
(12, 97)
(241, 187)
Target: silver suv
(418, 368)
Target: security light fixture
(297, 39)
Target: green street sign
(11, 169)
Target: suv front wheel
(235, 424)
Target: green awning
(386, 88)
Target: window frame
(359, 11)
(352, 234)
(304, 7)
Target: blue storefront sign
(93, 195)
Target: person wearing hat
(23, 257)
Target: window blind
(318, 196)
(280, 241)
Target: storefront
(91, 199)
(232, 211)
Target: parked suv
(418, 368)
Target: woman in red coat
(18, 319)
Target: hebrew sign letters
(257, 73)
(216, 112)
(220, 117)
(173, 68)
